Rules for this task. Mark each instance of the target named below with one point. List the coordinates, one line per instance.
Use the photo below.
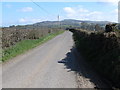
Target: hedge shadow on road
(75, 62)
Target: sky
(22, 13)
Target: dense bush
(12, 35)
(102, 51)
(25, 45)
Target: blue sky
(20, 13)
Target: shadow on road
(74, 62)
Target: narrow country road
(51, 65)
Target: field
(18, 39)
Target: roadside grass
(25, 45)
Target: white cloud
(22, 20)
(83, 10)
(35, 20)
(116, 10)
(28, 20)
(82, 13)
(69, 10)
(95, 15)
(27, 9)
(73, 12)
(85, 14)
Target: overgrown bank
(25, 45)
(102, 51)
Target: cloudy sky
(19, 13)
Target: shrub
(102, 51)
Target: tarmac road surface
(50, 65)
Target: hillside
(69, 22)
(63, 23)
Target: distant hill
(64, 23)
(69, 22)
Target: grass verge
(25, 45)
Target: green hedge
(102, 51)
(25, 45)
